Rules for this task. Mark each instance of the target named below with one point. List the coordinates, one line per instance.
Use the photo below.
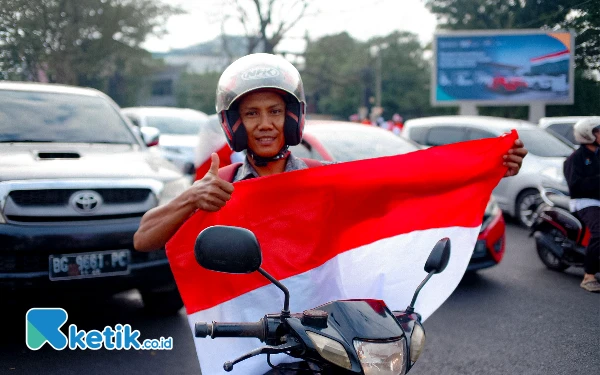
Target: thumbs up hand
(211, 192)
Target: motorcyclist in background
(582, 172)
(261, 106)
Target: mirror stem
(286, 302)
(411, 308)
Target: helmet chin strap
(259, 161)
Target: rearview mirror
(439, 256)
(228, 249)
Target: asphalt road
(515, 318)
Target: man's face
(263, 116)
(596, 133)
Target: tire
(163, 302)
(526, 206)
(547, 257)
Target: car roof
(314, 126)
(161, 110)
(49, 88)
(497, 124)
(546, 121)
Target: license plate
(86, 265)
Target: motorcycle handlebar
(215, 329)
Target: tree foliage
(197, 91)
(339, 75)
(78, 42)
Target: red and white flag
(362, 229)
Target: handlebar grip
(215, 329)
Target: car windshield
(541, 143)
(188, 125)
(360, 143)
(27, 116)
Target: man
(261, 106)
(582, 172)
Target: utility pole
(378, 78)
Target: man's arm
(159, 224)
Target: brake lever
(267, 349)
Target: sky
(362, 19)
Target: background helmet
(254, 72)
(583, 130)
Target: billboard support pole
(468, 109)
(537, 110)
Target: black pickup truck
(75, 180)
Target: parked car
(345, 141)
(75, 180)
(504, 85)
(561, 127)
(178, 128)
(518, 196)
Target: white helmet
(583, 130)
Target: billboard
(503, 67)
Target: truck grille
(87, 201)
(60, 197)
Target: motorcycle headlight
(382, 358)
(330, 350)
(172, 189)
(417, 342)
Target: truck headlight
(382, 358)
(330, 350)
(172, 189)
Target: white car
(517, 196)
(178, 129)
(561, 126)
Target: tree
(334, 74)
(405, 75)
(197, 91)
(78, 42)
(339, 75)
(265, 22)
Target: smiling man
(261, 107)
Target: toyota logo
(86, 201)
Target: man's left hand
(514, 158)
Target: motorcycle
(356, 336)
(560, 236)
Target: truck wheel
(163, 302)
(526, 205)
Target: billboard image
(503, 67)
